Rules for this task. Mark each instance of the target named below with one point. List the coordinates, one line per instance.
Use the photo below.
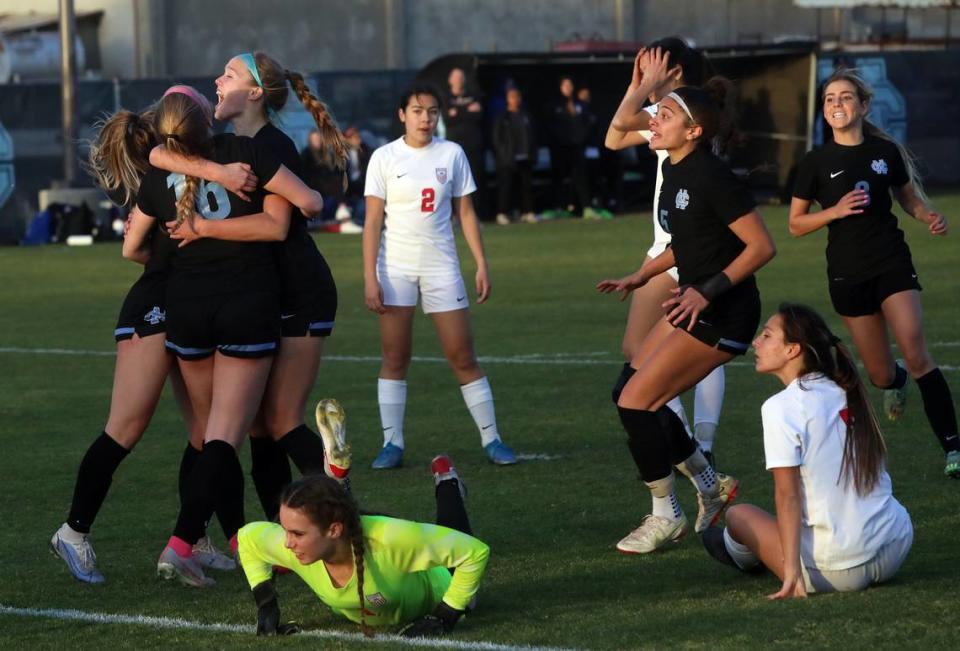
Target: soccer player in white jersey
(838, 526)
(662, 67)
(414, 187)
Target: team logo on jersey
(442, 175)
(155, 316)
(376, 599)
(879, 166)
(664, 222)
(683, 199)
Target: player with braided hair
(222, 307)
(374, 570)
(838, 526)
(251, 91)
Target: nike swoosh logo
(404, 174)
(460, 298)
(488, 426)
(834, 175)
(287, 316)
(387, 428)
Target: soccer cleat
(500, 453)
(953, 464)
(186, 570)
(712, 539)
(443, 470)
(653, 533)
(390, 456)
(79, 557)
(895, 400)
(711, 508)
(210, 557)
(332, 425)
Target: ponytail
(120, 153)
(332, 137)
(864, 451)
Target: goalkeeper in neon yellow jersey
(374, 570)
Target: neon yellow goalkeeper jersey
(405, 568)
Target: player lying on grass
(872, 281)
(374, 570)
(838, 526)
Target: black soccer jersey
(864, 245)
(210, 266)
(299, 262)
(699, 198)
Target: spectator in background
(592, 152)
(321, 174)
(516, 154)
(464, 125)
(568, 132)
(351, 206)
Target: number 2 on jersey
(427, 197)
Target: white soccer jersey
(417, 186)
(840, 529)
(660, 237)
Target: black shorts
(863, 297)
(143, 311)
(309, 309)
(237, 325)
(731, 320)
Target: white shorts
(656, 249)
(438, 293)
(878, 569)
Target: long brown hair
(325, 501)
(274, 78)
(865, 94)
(120, 152)
(182, 125)
(864, 451)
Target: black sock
(187, 461)
(229, 504)
(93, 481)
(451, 511)
(202, 490)
(270, 472)
(681, 445)
(899, 378)
(625, 374)
(938, 403)
(647, 442)
(305, 448)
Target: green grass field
(553, 343)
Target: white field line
(559, 359)
(219, 627)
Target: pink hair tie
(197, 98)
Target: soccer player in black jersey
(250, 92)
(222, 308)
(871, 277)
(718, 242)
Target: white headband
(679, 100)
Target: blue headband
(251, 64)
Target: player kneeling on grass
(374, 570)
(838, 526)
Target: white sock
(708, 398)
(700, 473)
(677, 408)
(664, 494)
(479, 399)
(705, 433)
(70, 535)
(392, 396)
